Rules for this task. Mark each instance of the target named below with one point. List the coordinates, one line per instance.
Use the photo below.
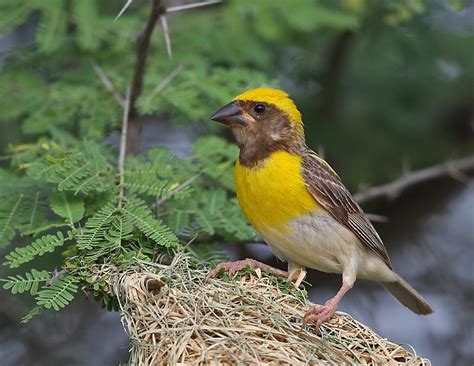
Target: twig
(454, 169)
(123, 146)
(108, 84)
(192, 6)
(55, 275)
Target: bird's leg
(233, 267)
(320, 314)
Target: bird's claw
(230, 267)
(233, 267)
(319, 314)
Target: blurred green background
(384, 87)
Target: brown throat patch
(270, 132)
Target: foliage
(62, 189)
(103, 222)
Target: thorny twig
(55, 275)
(454, 169)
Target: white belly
(318, 241)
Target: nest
(173, 316)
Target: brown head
(263, 120)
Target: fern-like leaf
(29, 282)
(85, 170)
(96, 227)
(32, 313)
(60, 294)
(154, 229)
(45, 244)
(7, 230)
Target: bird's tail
(408, 296)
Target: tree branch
(143, 46)
(391, 190)
(142, 54)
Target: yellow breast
(273, 192)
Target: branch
(55, 275)
(142, 54)
(391, 190)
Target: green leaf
(7, 230)
(52, 26)
(85, 14)
(141, 215)
(45, 244)
(60, 294)
(68, 206)
(93, 233)
(29, 282)
(32, 313)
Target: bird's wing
(326, 187)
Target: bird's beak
(231, 115)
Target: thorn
(127, 4)
(109, 85)
(164, 83)
(164, 24)
(192, 6)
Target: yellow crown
(276, 97)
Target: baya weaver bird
(299, 205)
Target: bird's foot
(320, 314)
(233, 267)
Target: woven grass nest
(174, 317)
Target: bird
(299, 205)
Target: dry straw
(174, 317)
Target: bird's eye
(259, 108)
